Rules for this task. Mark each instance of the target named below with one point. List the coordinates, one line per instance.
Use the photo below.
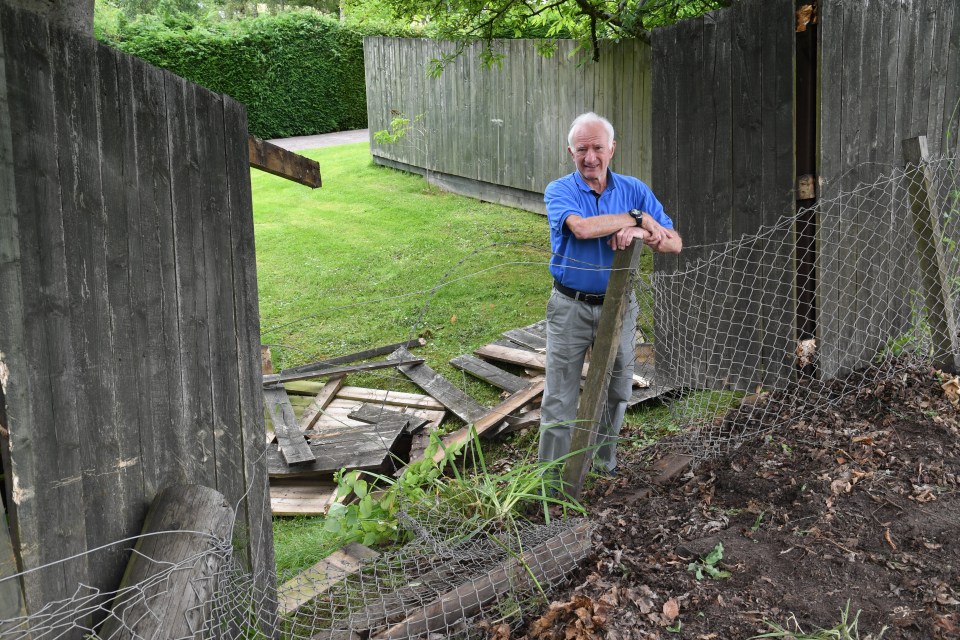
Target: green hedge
(298, 73)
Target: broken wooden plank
(364, 447)
(378, 414)
(278, 161)
(360, 355)
(301, 497)
(462, 405)
(494, 417)
(519, 357)
(318, 579)
(536, 341)
(394, 398)
(535, 361)
(293, 446)
(546, 563)
(515, 423)
(489, 373)
(312, 413)
(277, 378)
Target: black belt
(589, 298)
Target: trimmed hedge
(298, 73)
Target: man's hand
(656, 232)
(624, 238)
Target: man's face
(592, 152)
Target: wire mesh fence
(741, 354)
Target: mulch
(855, 507)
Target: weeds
(708, 566)
(846, 629)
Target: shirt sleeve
(561, 201)
(650, 204)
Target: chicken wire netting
(751, 337)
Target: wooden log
(320, 402)
(546, 563)
(489, 373)
(462, 405)
(318, 579)
(293, 446)
(360, 355)
(269, 157)
(278, 378)
(605, 347)
(167, 589)
(929, 237)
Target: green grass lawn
(377, 256)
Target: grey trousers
(571, 328)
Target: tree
(590, 21)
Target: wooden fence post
(928, 235)
(169, 585)
(604, 354)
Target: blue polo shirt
(584, 265)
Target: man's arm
(599, 226)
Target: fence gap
(928, 234)
(807, 175)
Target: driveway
(323, 140)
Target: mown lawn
(377, 256)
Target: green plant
(846, 629)
(708, 565)
(481, 500)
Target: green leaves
(708, 565)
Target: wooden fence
(128, 299)
(723, 122)
(499, 134)
(890, 70)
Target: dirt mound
(859, 503)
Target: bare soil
(858, 503)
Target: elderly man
(592, 212)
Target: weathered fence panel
(499, 133)
(723, 123)
(128, 300)
(890, 70)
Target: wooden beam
(329, 372)
(292, 444)
(489, 373)
(317, 580)
(605, 347)
(378, 414)
(280, 162)
(462, 405)
(934, 274)
(546, 563)
(323, 398)
(359, 355)
(494, 417)
(535, 361)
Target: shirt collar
(583, 186)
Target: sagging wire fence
(739, 358)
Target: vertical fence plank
(256, 532)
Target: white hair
(587, 118)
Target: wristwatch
(637, 216)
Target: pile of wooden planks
(319, 425)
